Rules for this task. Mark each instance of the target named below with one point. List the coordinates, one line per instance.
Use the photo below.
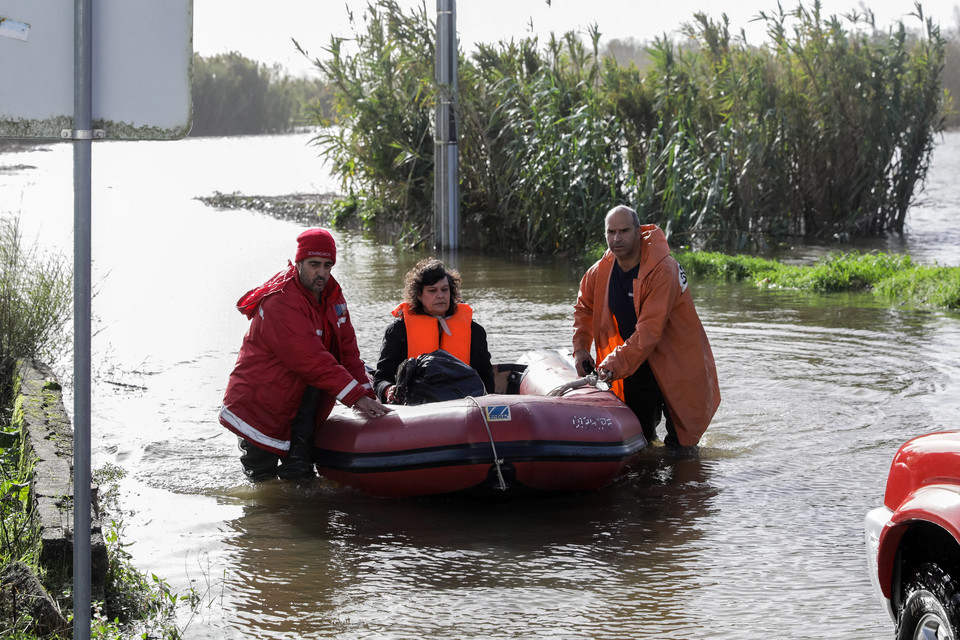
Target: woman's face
(436, 297)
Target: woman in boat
(432, 316)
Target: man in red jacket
(298, 358)
(635, 306)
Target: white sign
(142, 68)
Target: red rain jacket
(293, 341)
(668, 334)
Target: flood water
(759, 535)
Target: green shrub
(18, 539)
(36, 298)
(893, 277)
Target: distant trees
(233, 95)
(629, 50)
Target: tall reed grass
(384, 97)
(824, 132)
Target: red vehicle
(913, 541)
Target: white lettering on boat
(591, 422)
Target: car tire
(931, 604)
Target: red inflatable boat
(519, 440)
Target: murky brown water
(760, 535)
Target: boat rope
(590, 379)
(556, 392)
(496, 458)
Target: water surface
(759, 535)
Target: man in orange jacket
(635, 306)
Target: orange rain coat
(668, 334)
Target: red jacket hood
(248, 302)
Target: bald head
(624, 210)
(623, 236)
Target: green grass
(893, 277)
(931, 286)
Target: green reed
(825, 132)
(382, 148)
(547, 146)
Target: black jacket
(393, 351)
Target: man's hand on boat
(371, 408)
(584, 362)
(604, 378)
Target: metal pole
(446, 170)
(82, 146)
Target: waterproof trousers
(259, 464)
(642, 394)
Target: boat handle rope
(497, 461)
(590, 379)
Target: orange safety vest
(425, 333)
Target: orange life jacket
(425, 333)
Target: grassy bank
(132, 604)
(893, 277)
(36, 299)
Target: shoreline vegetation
(36, 298)
(891, 277)
(824, 132)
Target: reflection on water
(758, 534)
(437, 568)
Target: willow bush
(825, 132)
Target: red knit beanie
(316, 243)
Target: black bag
(436, 376)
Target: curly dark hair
(428, 272)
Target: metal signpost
(127, 76)
(446, 164)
